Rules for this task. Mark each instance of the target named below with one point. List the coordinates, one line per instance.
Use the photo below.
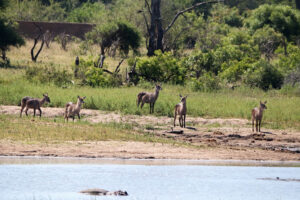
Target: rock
(102, 192)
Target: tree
(156, 31)
(282, 19)
(8, 35)
(268, 40)
(120, 35)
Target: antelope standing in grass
(180, 109)
(257, 114)
(74, 109)
(148, 97)
(34, 104)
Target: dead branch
(117, 70)
(148, 7)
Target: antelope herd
(180, 109)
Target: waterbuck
(33, 103)
(257, 114)
(74, 109)
(148, 97)
(180, 109)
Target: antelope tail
(66, 110)
(139, 98)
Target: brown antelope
(257, 114)
(74, 109)
(33, 103)
(180, 109)
(148, 97)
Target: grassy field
(283, 107)
(56, 131)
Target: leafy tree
(268, 41)
(8, 35)
(121, 35)
(282, 19)
(87, 12)
(163, 67)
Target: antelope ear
(186, 96)
(180, 95)
(265, 102)
(78, 96)
(83, 97)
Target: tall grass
(283, 111)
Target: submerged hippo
(101, 192)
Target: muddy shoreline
(157, 162)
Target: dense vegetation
(233, 48)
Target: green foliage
(208, 82)
(96, 77)
(268, 40)
(234, 19)
(121, 34)
(87, 12)
(8, 34)
(198, 63)
(290, 61)
(235, 70)
(264, 76)
(34, 10)
(48, 75)
(163, 67)
(283, 19)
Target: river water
(40, 179)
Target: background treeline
(255, 43)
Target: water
(60, 181)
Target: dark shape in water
(102, 192)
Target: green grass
(283, 111)
(46, 130)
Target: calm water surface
(57, 181)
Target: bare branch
(148, 6)
(117, 68)
(146, 22)
(107, 71)
(189, 9)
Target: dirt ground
(230, 139)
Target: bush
(233, 71)
(293, 78)
(207, 82)
(263, 75)
(95, 77)
(163, 67)
(48, 75)
(290, 62)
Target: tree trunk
(34, 57)
(156, 32)
(298, 4)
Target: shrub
(293, 77)
(95, 77)
(288, 63)
(163, 67)
(206, 83)
(263, 75)
(48, 75)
